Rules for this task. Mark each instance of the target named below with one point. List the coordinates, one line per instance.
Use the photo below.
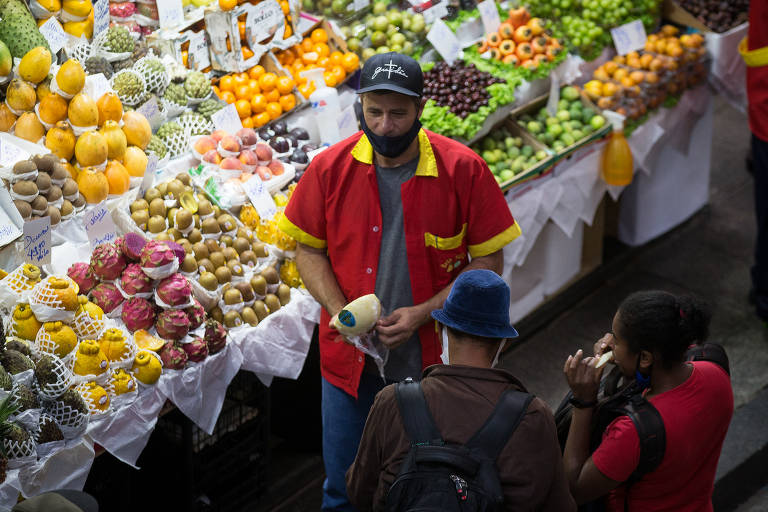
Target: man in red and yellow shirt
(397, 211)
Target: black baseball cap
(392, 72)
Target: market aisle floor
(709, 256)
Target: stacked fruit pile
(245, 48)
(387, 30)
(242, 154)
(508, 156)
(639, 81)
(717, 15)
(258, 95)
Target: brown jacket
(461, 398)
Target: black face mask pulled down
(391, 147)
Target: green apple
(563, 115)
(353, 44)
(498, 179)
(509, 142)
(368, 53)
(563, 104)
(552, 120)
(527, 151)
(541, 155)
(513, 152)
(534, 127)
(339, 6)
(577, 134)
(507, 175)
(597, 122)
(555, 130)
(567, 139)
(378, 39)
(558, 145)
(490, 157)
(418, 24)
(380, 23)
(397, 38)
(408, 48)
(570, 93)
(488, 143)
(395, 18)
(379, 8)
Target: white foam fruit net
(126, 359)
(44, 344)
(195, 125)
(87, 327)
(80, 52)
(44, 295)
(99, 48)
(56, 387)
(10, 332)
(71, 421)
(154, 82)
(17, 281)
(96, 404)
(134, 99)
(176, 143)
(19, 450)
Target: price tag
(149, 175)
(445, 42)
(96, 86)
(171, 13)
(435, 12)
(227, 119)
(348, 122)
(99, 225)
(260, 197)
(11, 153)
(490, 15)
(361, 4)
(54, 34)
(630, 37)
(100, 17)
(151, 111)
(37, 241)
(199, 57)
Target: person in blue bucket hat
(461, 395)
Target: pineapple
(6, 410)
(6, 382)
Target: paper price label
(99, 226)
(260, 197)
(149, 175)
(37, 241)
(171, 13)
(199, 57)
(268, 16)
(359, 5)
(435, 12)
(100, 17)
(445, 42)
(227, 119)
(348, 122)
(628, 38)
(151, 110)
(490, 15)
(54, 33)
(96, 86)
(11, 153)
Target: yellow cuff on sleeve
(753, 58)
(496, 243)
(301, 236)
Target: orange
(272, 96)
(324, 63)
(227, 5)
(227, 83)
(247, 122)
(241, 29)
(319, 35)
(255, 72)
(337, 58)
(244, 76)
(216, 90)
(330, 79)
(274, 110)
(340, 74)
(285, 6)
(239, 80)
(307, 45)
(228, 97)
(322, 49)
(307, 89)
(285, 84)
(310, 57)
(261, 119)
(243, 92)
(288, 32)
(297, 66)
(258, 104)
(351, 62)
(243, 108)
(287, 101)
(247, 53)
(267, 81)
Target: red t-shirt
(757, 77)
(696, 416)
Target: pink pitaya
(196, 350)
(156, 254)
(108, 262)
(174, 290)
(196, 314)
(173, 356)
(83, 275)
(106, 296)
(178, 250)
(132, 245)
(138, 314)
(172, 324)
(134, 280)
(215, 336)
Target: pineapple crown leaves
(7, 409)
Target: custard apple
(169, 129)
(195, 124)
(209, 107)
(119, 40)
(127, 84)
(153, 71)
(197, 85)
(95, 65)
(157, 146)
(175, 94)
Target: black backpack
(437, 476)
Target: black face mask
(391, 147)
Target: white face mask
(444, 357)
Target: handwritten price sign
(37, 241)
(99, 226)
(260, 197)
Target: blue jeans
(343, 421)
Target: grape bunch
(460, 87)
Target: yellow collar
(363, 152)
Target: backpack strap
(651, 433)
(711, 352)
(506, 416)
(417, 419)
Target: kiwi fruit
(196, 221)
(231, 254)
(225, 240)
(232, 319)
(248, 258)
(210, 227)
(175, 234)
(284, 294)
(246, 291)
(260, 249)
(140, 217)
(270, 274)
(139, 204)
(241, 245)
(54, 214)
(185, 244)
(39, 204)
(43, 182)
(227, 223)
(223, 275)
(25, 210)
(54, 194)
(79, 202)
(217, 314)
(156, 224)
(272, 302)
(200, 250)
(69, 188)
(184, 178)
(260, 308)
(259, 285)
(194, 236)
(45, 162)
(249, 316)
(204, 207)
(171, 215)
(157, 207)
(235, 268)
(216, 211)
(162, 188)
(164, 237)
(26, 188)
(151, 194)
(204, 264)
(218, 259)
(208, 281)
(175, 188)
(24, 166)
(243, 232)
(66, 208)
(233, 296)
(212, 245)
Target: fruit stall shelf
(541, 168)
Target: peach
(230, 163)
(276, 166)
(263, 152)
(218, 135)
(230, 143)
(212, 157)
(247, 136)
(248, 157)
(205, 144)
(265, 173)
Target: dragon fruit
(174, 290)
(156, 254)
(215, 336)
(106, 296)
(172, 324)
(134, 280)
(196, 314)
(132, 244)
(138, 314)
(178, 250)
(83, 275)
(173, 356)
(108, 262)
(196, 350)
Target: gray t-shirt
(393, 280)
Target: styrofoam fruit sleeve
(196, 101)
(45, 345)
(80, 52)
(26, 198)
(40, 12)
(20, 454)
(126, 295)
(99, 49)
(79, 130)
(71, 421)
(15, 112)
(87, 327)
(45, 304)
(13, 178)
(154, 82)
(65, 16)
(195, 126)
(58, 90)
(172, 109)
(100, 406)
(64, 379)
(123, 399)
(135, 99)
(208, 299)
(126, 361)
(176, 144)
(162, 271)
(185, 305)
(14, 288)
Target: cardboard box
(190, 47)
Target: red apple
(247, 136)
(264, 173)
(263, 152)
(248, 157)
(212, 157)
(276, 166)
(230, 163)
(218, 135)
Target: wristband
(581, 404)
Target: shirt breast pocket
(448, 255)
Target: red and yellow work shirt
(754, 50)
(452, 209)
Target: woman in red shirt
(651, 332)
